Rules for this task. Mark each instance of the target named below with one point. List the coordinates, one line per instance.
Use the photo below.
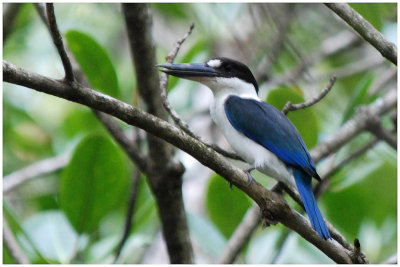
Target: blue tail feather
(303, 182)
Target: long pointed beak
(188, 70)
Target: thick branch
(164, 172)
(272, 205)
(365, 29)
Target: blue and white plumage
(257, 131)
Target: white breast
(255, 154)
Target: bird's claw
(250, 178)
(247, 171)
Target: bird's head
(219, 74)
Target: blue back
(270, 128)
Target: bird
(258, 132)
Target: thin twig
(280, 243)
(58, 41)
(362, 65)
(241, 235)
(365, 29)
(245, 229)
(164, 85)
(171, 56)
(321, 187)
(283, 26)
(12, 245)
(39, 168)
(291, 107)
(174, 115)
(129, 213)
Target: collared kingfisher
(258, 132)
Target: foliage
(76, 215)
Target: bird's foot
(247, 171)
(230, 185)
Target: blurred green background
(46, 213)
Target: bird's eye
(227, 67)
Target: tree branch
(282, 22)
(130, 148)
(365, 29)
(331, 46)
(12, 245)
(241, 235)
(164, 172)
(272, 205)
(355, 125)
(109, 123)
(58, 41)
(10, 12)
(291, 107)
(129, 214)
(164, 84)
(321, 187)
(374, 126)
(39, 168)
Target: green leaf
(80, 120)
(358, 96)
(304, 119)
(94, 62)
(225, 207)
(52, 234)
(206, 235)
(372, 197)
(372, 12)
(26, 241)
(173, 10)
(93, 183)
(145, 217)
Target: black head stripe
(232, 68)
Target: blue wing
(267, 126)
